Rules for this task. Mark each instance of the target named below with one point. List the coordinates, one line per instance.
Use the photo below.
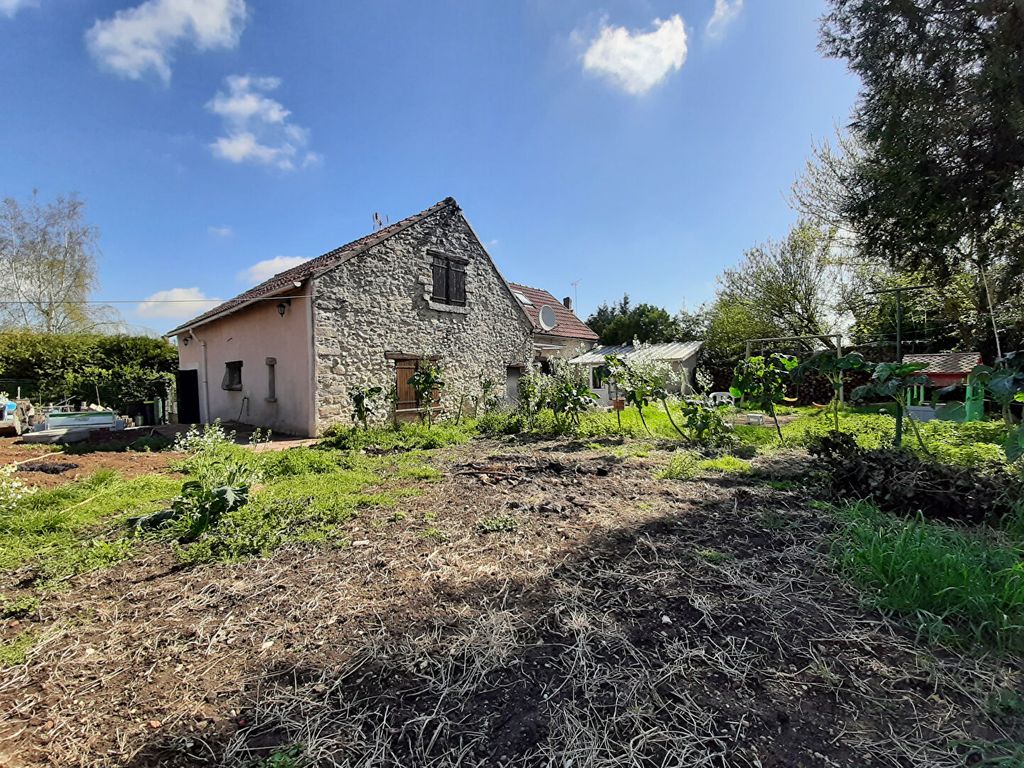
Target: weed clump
(950, 582)
(686, 465)
(497, 524)
(15, 650)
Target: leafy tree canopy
(791, 285)
(940, 122)
(623, 323)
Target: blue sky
(634, 146)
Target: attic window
(522, 298)
(232, 376)
(449, 280)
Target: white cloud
(223, 231)
(257, 127)
(725, 13)
(176, 304)
(266, 269)
(10, 7)
(137, 40)
(637, 61)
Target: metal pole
(899, 360)
(839, 356)
(899, 341)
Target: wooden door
(406, 408)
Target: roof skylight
(522, 298)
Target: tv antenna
(575, 292)
(380, 221)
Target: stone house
(287, 353)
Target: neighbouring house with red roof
(557, 332)
(288, 353)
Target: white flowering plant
(12, 490)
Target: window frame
(443, 269)
(232, 381)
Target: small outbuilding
(946, 369)
(681, 356)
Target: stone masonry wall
(379, 303)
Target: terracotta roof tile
(566, 322)
(946, 362)
(307, 269)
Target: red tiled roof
(566, 322)
(946, 362)
(283, 280)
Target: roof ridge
(309, 267)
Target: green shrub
(55, 367)
(949, 582)
(502, 422)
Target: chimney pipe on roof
(567, 302)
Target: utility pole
(899, 343)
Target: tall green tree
(624, 323)
(938, 179)
(792, 286)
(729, 324)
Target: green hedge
(55, 367)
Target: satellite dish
(547, 318)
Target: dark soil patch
(623, 621)
(48, 467)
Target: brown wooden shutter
(440, 273)
(456, 283)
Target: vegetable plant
(894, 381)
(833, 366)
(640, 383)
(761, 382)
(705, 421)
(568, 394)
(363, 403)
(532, 395)
(486, 398)
(426, 382)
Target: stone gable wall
(378, 303)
